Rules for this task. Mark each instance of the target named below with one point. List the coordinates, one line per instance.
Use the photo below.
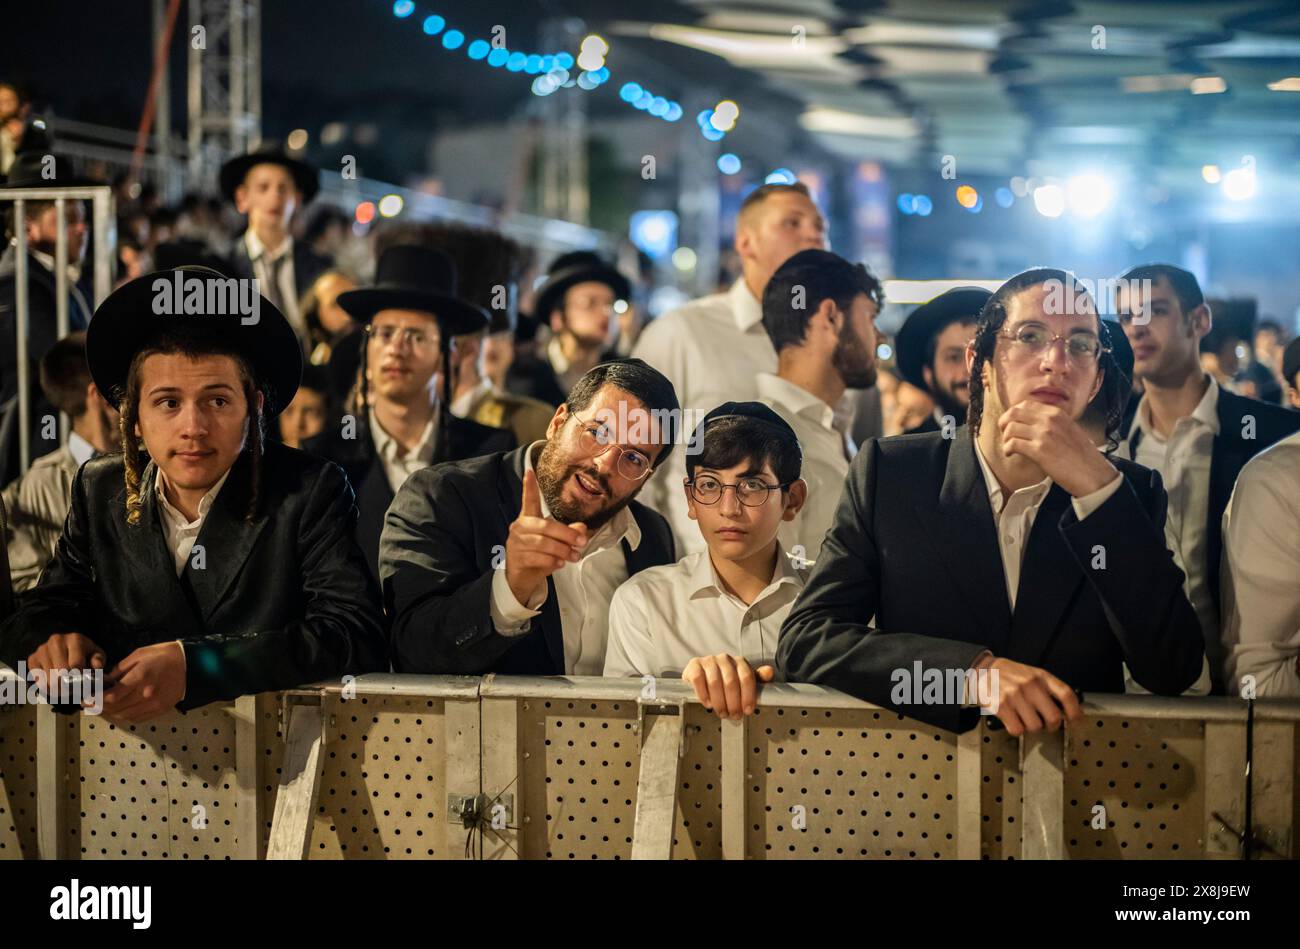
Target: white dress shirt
(180, 532)
(1183, 461)
(280, 264)
(583, 590)
(400, 465)
(826, 452)
(665, 616)
(711, 350)
(1013, 517)
(1261, 573)
(80, 449)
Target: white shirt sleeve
(1261, 592)
(630, 648)
(1090, 502)
(509, 616)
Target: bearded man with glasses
(1014, 555)
(507, 563)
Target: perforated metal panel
(870, 784)
(383, 788)
(166, 789)
(1001, 789)
(1147, 774)
(698, 834)
(18, 782)
(578, 785)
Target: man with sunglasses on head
(507, 563)
(1014, 556)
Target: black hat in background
(756, 411)
(233, 172)
(1291, 361)
(575, 267)
(415, 277)
(126, 323)
(927, 321)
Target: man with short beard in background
(931, 349)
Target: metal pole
(61, 290)
(21, 316)
(105, 241)
(253, 59)
(163, 118)
(237, 116)
(194, 94)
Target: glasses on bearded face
(1083, 349)
(595, 439)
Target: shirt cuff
(509, 616)
(1090, 502)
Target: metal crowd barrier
(104, 230)
(394, 767)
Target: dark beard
(851, 359)
(553, 473)
(949, 404)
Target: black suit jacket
(914, 545)
(282, 601)
(307, 264)
(42, 330)
(1239, 417)
(444, 535)
(360, 461)
(929, 425)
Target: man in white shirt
(507, 563)
(270, 186)
(1197, 435)
(713, 617)
(713, 349)
(1261, 575)
(819, 312)
(201, 563)
(1015, 548)
(37, 503)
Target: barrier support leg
(1042, 762)
(656, 788)
(295, 804)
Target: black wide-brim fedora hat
(416, 277)
(128, 322)
(571, 269)
(234, 171)
(927, 320)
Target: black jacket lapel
(960, 529)
(152, 555)
(227, 538)
(510, 486)
(1049, 582)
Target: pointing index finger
(532, 500)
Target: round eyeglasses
(595, 439)
(419, 340)
(1081, 348)
(752, 492)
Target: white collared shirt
(665, 616)
(179, 532)
(1184, 464)
(287, 287)
(400, 465)
(825, 461)
(1013, 517)
(464, 404)
(80, 449)
(583, 591)
(1261, 573)
(712, 350)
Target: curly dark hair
(994, 315)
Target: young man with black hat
(931, 347)
(401, 424)
(577, 303)
(201, 563)
(1291, 372)
(1010, 565)
(713, 617)
(507, 563)
(1195, 433)
(36, 169)
(269, 186)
